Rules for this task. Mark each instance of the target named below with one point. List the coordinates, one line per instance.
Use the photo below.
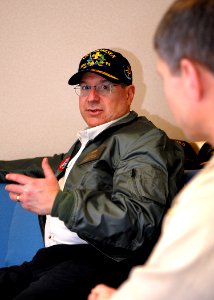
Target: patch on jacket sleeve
(93, 155)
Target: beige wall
(41, 43)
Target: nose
(93, 94)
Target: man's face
(97, 109)
(177, 97)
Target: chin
(94, 124)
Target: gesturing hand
(35, 194)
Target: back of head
(187, 31)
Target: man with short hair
(104, 200)
(182, 263)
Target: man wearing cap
(101, 203)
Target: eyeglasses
(101, 89)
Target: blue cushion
(20, 234)
(189, 174)
(6, 214)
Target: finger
(13, 196)
(104, 291)
(47, 169)
(22, 179)
(14, 188)
(91, 297)
(101, 292)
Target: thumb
(47, 169)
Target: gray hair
(187, 31)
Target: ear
(191, 77)
(130, 93)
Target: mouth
(94, 111)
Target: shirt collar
(90, 133)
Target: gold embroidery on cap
(104, 73)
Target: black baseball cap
(107, 63)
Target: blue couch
(20, 234)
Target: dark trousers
(61, 270)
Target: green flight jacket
(119, 189)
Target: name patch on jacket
(93, 155)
